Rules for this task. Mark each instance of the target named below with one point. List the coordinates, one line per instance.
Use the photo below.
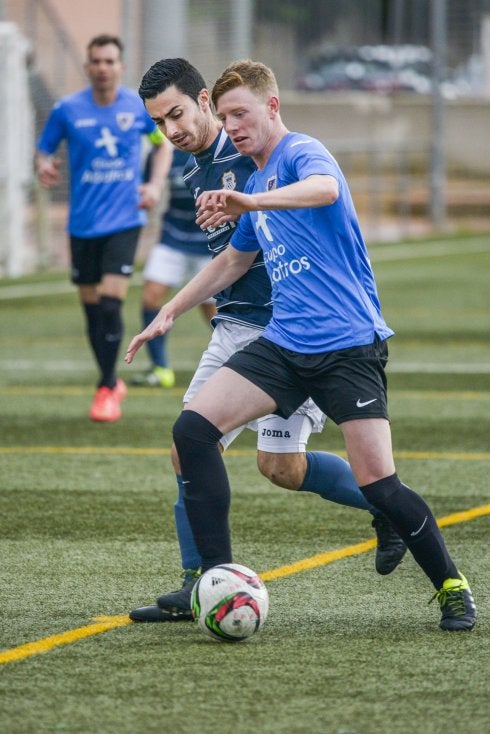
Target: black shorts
(94, 257)
(346, 385)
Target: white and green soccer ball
(230, 602)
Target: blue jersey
(323, 287)
(179, 228)
(248, 301)
(104, 152)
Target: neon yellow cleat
(457, 605)
(155, 377)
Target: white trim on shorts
(274, 434)
(173, 268)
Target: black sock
(415, 523)
(206, 487)
(111, 333)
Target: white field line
(378, 253)
(420, 250)
(66, 365)
(445, 368)
(32, 290)
(51, 288)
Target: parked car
(380, 68)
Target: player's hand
(159, 326)
(48, 171)
(149, 195)
(217, 207)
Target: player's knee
(175, 459)
(284, 470)
(192, 427)
(111, 315)
(110, 308)
(153, 295)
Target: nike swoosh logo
(416, 532)
(366, 402)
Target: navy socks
(331, 477)
(157, 346)
(188, 551)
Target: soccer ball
(230, 602)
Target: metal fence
(319, 49)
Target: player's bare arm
(220, 273)
(314, 191)
(151, 191)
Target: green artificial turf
(86, 530)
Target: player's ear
(203, 99)
(273, 105)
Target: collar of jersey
(214, 149)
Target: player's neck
(104, 97)
(260, 159)
(213, 131)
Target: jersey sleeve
(53, 132)
(308, 157)
(244, 237)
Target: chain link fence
(356, 74)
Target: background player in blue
(103, 127)
(326, 338)
(176, 97)
(181, 253)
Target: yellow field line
(135, 451)
(79, 390)
(323, 559)
(103, 624)
(65, 638)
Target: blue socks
(157, 346)
(331, 477)
(327, 475)
(188, 551)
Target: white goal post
(16, 150)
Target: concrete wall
(357, 119)
(343, 119)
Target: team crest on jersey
(125, 120)
(271, 183)
(229, 180)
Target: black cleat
(155, 614)
(391, 548)
(457, 605)
(179, 602)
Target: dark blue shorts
(346, 385)
(94, 257)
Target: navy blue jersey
(179, 228)
(248, 300)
